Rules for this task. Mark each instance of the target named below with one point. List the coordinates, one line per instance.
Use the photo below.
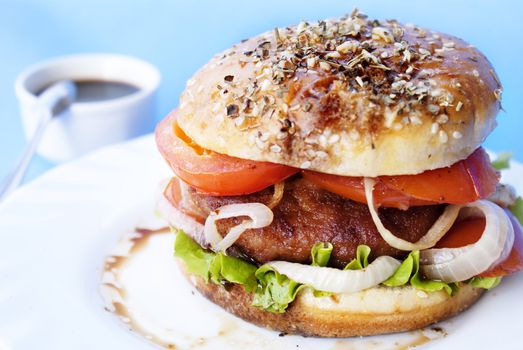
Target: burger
(329, 179)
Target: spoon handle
(17, 175)
(53, 101)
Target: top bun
(348, 96)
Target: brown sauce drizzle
(140, 238)
(416, 339)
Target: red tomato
(210, 172)
(352, 187)
(461, 183)
(469, 231)
(462, 233)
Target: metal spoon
(51, 102)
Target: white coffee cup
(89, 125)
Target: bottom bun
(373, 311)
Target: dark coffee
(100, 90)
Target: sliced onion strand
(277, 195)
(433, 235)
(328, 279)
(259, 216)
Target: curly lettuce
(484, 282)
(362, 258)
(408, 272)
(321, 254)
(275, 291)
(215, 266)
(502, 161)
(517, 209)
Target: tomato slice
(463, 233)
(461, 183)
(352, 187)
(210, 172)
(469, 231)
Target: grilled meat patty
(308, 214)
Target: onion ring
(433, 235)
(259, 216)
(328, 279)
(460, 264)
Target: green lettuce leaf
(418, 282)
(362, 258)
(275, 291)
(216, 266)
(502, 161)
(197, 260)
(319, 293)
(517, 209)
(402, 274)
(230, 269)
(484, 282)
(408, 271)
(321, 254)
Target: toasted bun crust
(378, 310)
(349, 96)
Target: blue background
(180, 36)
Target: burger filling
(276, 229)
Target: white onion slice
(259, 216)
(328, 279)
(460, 264)
(433, 235)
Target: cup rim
(144, 90)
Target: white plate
(56, 232)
